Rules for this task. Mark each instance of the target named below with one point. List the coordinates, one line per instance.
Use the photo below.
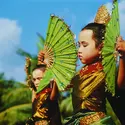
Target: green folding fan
(109, 53)
(60, 54)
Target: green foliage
(18, 96)
(40, 44)
(66, 106)
(23, 53)
(15, 115)
(2, 76)
(15, 101)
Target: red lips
(80, 57)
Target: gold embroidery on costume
(42, 122)
(96, 80)
(89, 88)
(41, 112)
(89, 119)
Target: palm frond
(41, 42)
(23, 53)
(16, 114)
(16, 97)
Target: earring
(100, 56)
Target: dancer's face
(87, 51)
(37, 76)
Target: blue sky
(21, 19)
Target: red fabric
(91, 68)
(47, 90)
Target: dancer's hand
(120, 46)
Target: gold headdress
(27, 70)
(102, 15)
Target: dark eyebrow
(83, 42)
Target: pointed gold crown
(102, 15)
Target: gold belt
(89, 119)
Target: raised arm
(54, 92)
(121, 72)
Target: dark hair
(39, 66)
(98, 32)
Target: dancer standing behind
(45, 109)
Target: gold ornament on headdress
(27, 65)
(102, 15)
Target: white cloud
(9, 35)
(10, 64)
